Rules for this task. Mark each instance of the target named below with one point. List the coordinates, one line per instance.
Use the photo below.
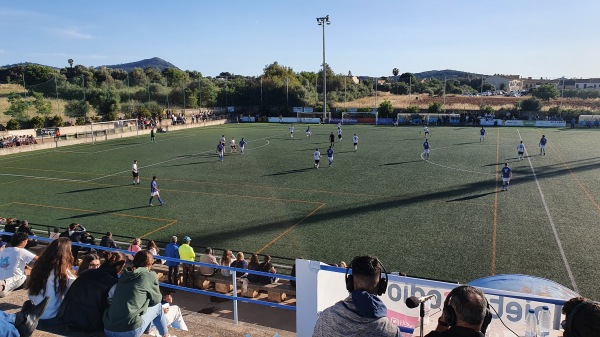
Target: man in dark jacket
(362, 313)
(107, 241)
(465, 314)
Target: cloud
(70, 33)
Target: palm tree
(70, 62)
(395, 71)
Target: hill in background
(448, 73)
(155, 62)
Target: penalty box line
(551, 220)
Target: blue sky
(534, 38)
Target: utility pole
(322, 22)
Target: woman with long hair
(87, 299)
(226, 260)
(136, 302)
(51, 276)
(90, 261)
(253, 265)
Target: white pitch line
(42, 178)
(121, 147)
(560, 247)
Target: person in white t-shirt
(317, 156)
(13, 261)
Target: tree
(37, 122)
(385, 109)
(18, 107)
(56, 121)
(13, 124)
(486, 109)
(503, 86)
(408, 78)
(412, 109)
(71, 62)
(435, 108)
(545, 92)
(531, 104)
(395, 72)
(77, 108)
(42, 106)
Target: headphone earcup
(449, 315)
(349, 283)
(382, 287)
(487, 319)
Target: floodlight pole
(322, 22)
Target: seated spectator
(51, 276)
(72, 229)
(226, 260)
(208, 257)
(87, 298)
(173, 312)
(13, 261)
(55, 234)
(582, 318)
(90, 261)
(172, 251)
(153, 248)
(24, 322)
(134, 247)
(253, 265)
(107, 241)
(240, 263)
(10, 227)
(267, 267)
(136, 302)
(465, 313)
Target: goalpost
(104, 129)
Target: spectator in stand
(51, 276)
(22, 323)
(582, 318)
(208, 257)
(465, 313)
(87, 298)
(173, 313)
(362, 313)
(253, 265)
(240, 263)
(25, 228)
(172, 251)
(136, 303)
(55, 234)
(153, 248)
(13, 261)
(134, 247)
(267, 267)
(226, 260)
(10, 227)
(107, 241)
(72, 229)
(90, 261)
(186, 253)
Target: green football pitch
(445, 218)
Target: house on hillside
(511, 82)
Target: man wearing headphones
(582, 318)
(465, 314)
(362, 313)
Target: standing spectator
(226, 260)
(107, 241)
(13, 261)
(186, 253)
(136, 302)
(87, 298)
(51, 276)
(362, 313)
(208, 257)
(134, 247)
(172, 251)
(55, 234)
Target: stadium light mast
(322, 22)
